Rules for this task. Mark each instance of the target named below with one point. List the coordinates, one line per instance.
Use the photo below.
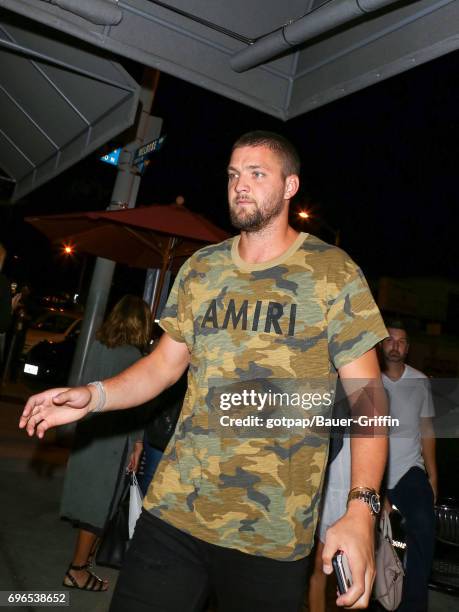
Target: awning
(305, 53)
(62, 96)
(60, 99)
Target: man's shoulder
(331, 263)
(328, 254)
(211, 253)
(314, 244)
(408, 373)
(411, 372)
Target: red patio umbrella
(156, 236)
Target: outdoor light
(303, 214)
(68, 249)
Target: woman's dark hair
(129, 322)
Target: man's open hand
(55, 407)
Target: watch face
(375, 504)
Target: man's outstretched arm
(144, 380)
(354, 532)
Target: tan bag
(389, 571)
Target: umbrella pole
(124, 194)
(151, 283)
(167, 259)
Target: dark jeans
(167, 570)
(413, 497)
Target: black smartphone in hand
(342, 571)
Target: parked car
(48, 363)
(54, 325)
(445, 569)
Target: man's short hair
(277, 143)
(396, 324)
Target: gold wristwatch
(368, 496)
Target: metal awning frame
(310, 75)
(84, 140)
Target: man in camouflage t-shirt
(265, 322)
(300, 316)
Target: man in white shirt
(411, 469)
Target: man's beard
(256, 220)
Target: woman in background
(106, 445)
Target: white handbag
(135, 503)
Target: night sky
(379, 165)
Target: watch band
(368, 496)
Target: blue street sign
(147, 150)
(112, 158)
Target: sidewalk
(35, 545)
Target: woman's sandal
(93, 584)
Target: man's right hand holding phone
(353, 535)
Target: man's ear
(292, 184)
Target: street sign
(148, 149)
(112, 158)
(142, 155)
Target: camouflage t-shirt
(277, 325)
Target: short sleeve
(355, 324)
(177, 318)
